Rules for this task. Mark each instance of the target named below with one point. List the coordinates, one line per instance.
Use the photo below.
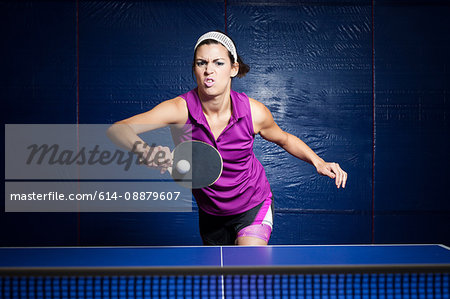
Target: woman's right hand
(158, 157)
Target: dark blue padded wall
(38, 85)
(412, 44)
(322, 67)
(312, 67)
(38, 78)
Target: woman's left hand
(334, 171)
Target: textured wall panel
(412, 43)
(37, 85)
(312, 67)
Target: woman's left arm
(264, 124)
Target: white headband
(221, 38)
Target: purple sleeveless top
(243, 183)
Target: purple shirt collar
(237, 109)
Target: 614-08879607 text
(147, 195)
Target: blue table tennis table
(351, 271)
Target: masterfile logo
(77, 168)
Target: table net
(375, 285)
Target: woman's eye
(201, 63)
(220, 63)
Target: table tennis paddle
(195, 164)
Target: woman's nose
(209, 68)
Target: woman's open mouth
(209, 82)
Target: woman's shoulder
(244, 98)
(178, 106)
(168, 112)
(260, 114)
(257, 106)
(178, 102)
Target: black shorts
(222, 230)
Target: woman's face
(213, 69)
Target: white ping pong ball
(183, 166)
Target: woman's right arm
(125, 133)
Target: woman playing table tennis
(237, 208)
